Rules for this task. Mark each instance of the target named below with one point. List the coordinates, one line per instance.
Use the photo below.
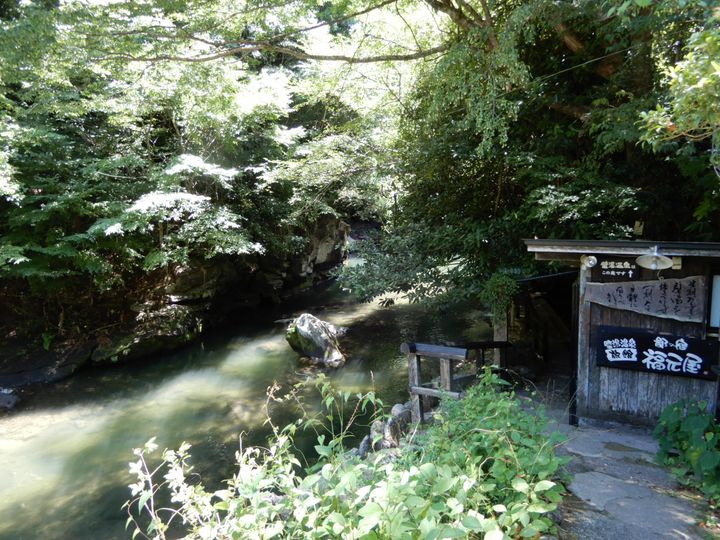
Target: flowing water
(64, 451)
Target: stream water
(64, 451)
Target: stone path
(618, 492)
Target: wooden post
(583, 342)
(416, 405)
(575, 308)
(446, 355)
(446, 374)
(479, 361)
(500, 333)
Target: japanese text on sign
(681, 299)
(618, 269)
(640, 350)
(625, 350)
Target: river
(64, 451)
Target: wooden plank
(583, 354)
(432, 392)
(645, 395)
(476, 345)
(572, 259)
(435, 351)
(619, 247)
(572, 390)
(500, 333)
(446, 373)
(416, 406)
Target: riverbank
(47, 338)
(68, 442)
(483, 467)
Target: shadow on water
(64, 453)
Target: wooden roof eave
(572, 250)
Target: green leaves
(435, 493)
(689, 443)
(497, 293)
(693, 84)
(111, 169)
(520, 485)
(543, 485)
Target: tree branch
(178, 32)
(607, 67)
(472, 14)
(269, 44)
(335, 21)
(410, 28)
(455, 13)
(488, 22)
(571, 40)
(295, 53)
(466, 17)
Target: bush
(689, 440)
(484, 470)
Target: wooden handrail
(475, 345)
(446, 355)
(434, 351)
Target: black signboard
(642, 350)
(610, 269)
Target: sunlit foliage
(540, 132)
(461, 126)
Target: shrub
(689, 440)
(483, 471)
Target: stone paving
(618, 492)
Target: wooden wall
(634, 396)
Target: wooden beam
(568, 248)
(583, 341)
(446, 374)
(500, 333)
(434, 351)
(572, 258)
(416, 405)
(432, 392)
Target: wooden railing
(448, 357)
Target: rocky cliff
(159, 312)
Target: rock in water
(316, 339)
(8, 399)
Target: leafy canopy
(506, 120)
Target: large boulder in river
(315, 339)
(8, 399)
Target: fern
(12, 255)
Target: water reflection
(64, 454)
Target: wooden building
(647, 318)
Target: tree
(692, 106)
(483, 120)
(115, 175)
(538, 134)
